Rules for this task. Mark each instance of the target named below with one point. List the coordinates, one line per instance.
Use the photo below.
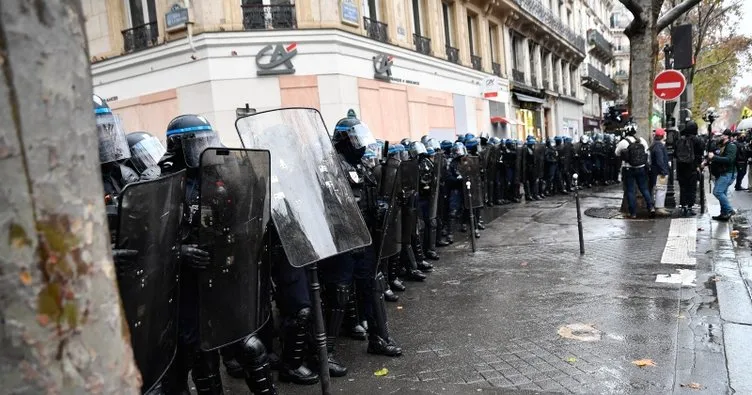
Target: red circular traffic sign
(669, 84)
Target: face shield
(195, 143)
(417, 148)
(360, 136)
(113, 145)
(459, 150)
(404, 155)
(146, 154)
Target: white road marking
(682, 242)
(685, 277)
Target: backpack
(635, 153)
(685, 150)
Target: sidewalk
(528, 314)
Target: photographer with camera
(722, 163)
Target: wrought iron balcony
(496, 69)
(547, 18)
(453, 54)
(599, 82)
(477, 62)
(600, 46)
(621, 75)
(376, 30)
(268, 17)
(534, 80)
(518, 76)
(140, 37)
(422, 44)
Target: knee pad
(253, 351)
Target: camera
(710, 115)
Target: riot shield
(470, 170)
(409, 175)
(438, 165)
(312, 204)
(386, 236)
(540, 164)
(150, 213)
(234, 214)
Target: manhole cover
(604, 212)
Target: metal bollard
(469, 198)
(579, 215)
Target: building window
(140, 12)
(448, 11)
(416, 16)
(373, 10)
(141, 20)
(493, 34)
(472, 23)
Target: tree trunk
(643, 52)
(61, 327)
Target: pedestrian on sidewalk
(634, 154)
(688, 153)
(725, 160)
(659, 169)
(740, 140)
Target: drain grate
(604, 212)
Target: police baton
(579, 215)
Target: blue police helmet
(460, 138)
(469, 136)
(430, 151)
(471, 143)
(446, 144)
(557, 139)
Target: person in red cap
(659, 168)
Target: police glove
(194, 256)
(123, 259)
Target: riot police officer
(453, 181)
(187, 137)
(530, 176)
(564, 147)
(599, 160)
(474, 149)
(551, 158)
(584, 160)
(428, 191)
(513, 177)
(146, 151)
(350, 139)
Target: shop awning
(500, 120)
(529, 99)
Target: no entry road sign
(669, 85)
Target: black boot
(294, 350)
(390, 296)
(432, 255)
(411, 265)
(175, 381)
(336, 303)
(379, 341)
(430, 240)
(256, 367)
(395, 284)
(352, 317)
(205, 373)
(423, 266)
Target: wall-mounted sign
(349, 13)
(279, 55)
(382, 70)
(176, 18)
(491, 87)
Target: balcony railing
(600, 82)
(140, 37)
(534, 80)
(621, 75)
(477, 62)
(453, 54)
(422, 44)
(547, 18)
(518, 76)
(376, 30)
(268, 17)
(601, 47)
(496, 69)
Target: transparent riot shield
(234, 214)
(470, 170)
(312, 204)
(438, 165)
(150, 213)
(390, 233)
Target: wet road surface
(528, 314)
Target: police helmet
(113, 145)
(193, 134)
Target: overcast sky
(745, 27)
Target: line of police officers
(206, 237)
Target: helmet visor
(459, 151)
(417, 148)
(146, 153)
(360, 136)
(195, 143)
(113, 145)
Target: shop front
(591, 126)
(528, 111)
(397, 92)
(569, 114)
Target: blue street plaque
(350, 13)
(176, 17)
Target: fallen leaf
(644, 362)
(571, 359)
(43, 319)
(694, 386)
(399, 307)
(681, 316)
(381, 372)
(734, 234)
(523, 264)
(25, 277)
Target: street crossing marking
(681, 244)
(680, 249)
